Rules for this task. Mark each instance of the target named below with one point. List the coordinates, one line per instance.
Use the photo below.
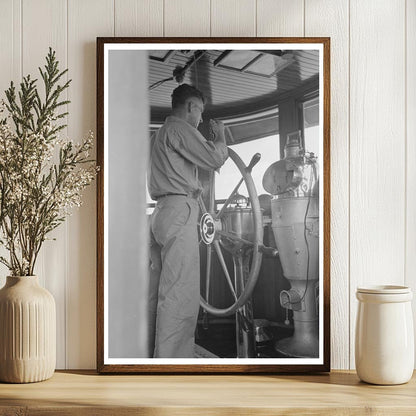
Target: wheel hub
(208, 225)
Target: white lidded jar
(384, 340)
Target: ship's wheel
(219, 233)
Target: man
(177, 151)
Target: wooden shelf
(86, 393)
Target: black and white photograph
(213, 205)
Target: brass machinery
(293, 182)
(238, 228)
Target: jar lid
(384, 289)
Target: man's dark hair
(183, 92)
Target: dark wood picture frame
(171, 367)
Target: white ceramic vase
(384, 340)
(27, 331)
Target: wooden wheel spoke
(229, 199)
(224, 267)
(208, 272)
(202, 205)
(234, 237)
(211, 191)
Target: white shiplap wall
(373, 128)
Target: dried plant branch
(36, 193)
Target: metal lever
(254, 160)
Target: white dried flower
(42, 175)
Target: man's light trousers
(174, 277)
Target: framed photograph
(213, 239)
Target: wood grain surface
(233, 18)
(330, 18)
(377, 149)
(82, 393)
(138, 18)
(187, 18)
(85, 18)
(280, 18)
(51, 263)
(410, 261)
